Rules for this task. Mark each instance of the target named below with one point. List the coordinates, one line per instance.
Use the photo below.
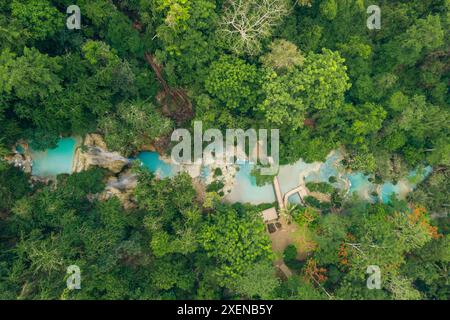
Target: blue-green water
(153, 162)
(54, 161)
(295, 199)
(360, 184)
(329, 168)
(205, 173)
(20, 149)
(387, 190)
(408, 184)
(289, 175)
(246, 190)
(59, 160)
(417, 176)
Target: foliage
(235, 237)
(322, 187)
(382, 236)
(290, 258)
(319, 84)
(258, 282)
(215, 186)
(177, 12)
(39, 19)
(308, 68)
(133, 125)
(30, 76)
(306, 216)
(283, 56)
(434, 192)
(234, 83)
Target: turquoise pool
(360, 184)
(153, 162)
(52, 162)
(387, 190)
(330, 168)
(245, 189)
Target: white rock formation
(94, 153)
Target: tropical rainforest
(138, 69)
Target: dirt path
(290, 234)
(321, 196)
(283, 268)
(283, 237)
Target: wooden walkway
(284, 200)
(276, 186)
(283, 268)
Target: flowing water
(153, 162)
(59, 160)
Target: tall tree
(246, 23)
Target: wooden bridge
(276, 186)
(283, 201)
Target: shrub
(215, 186)
(290, 253)
(290, 258)
(321, 187)
(217, 172)
(332, 179)
(311, 201)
